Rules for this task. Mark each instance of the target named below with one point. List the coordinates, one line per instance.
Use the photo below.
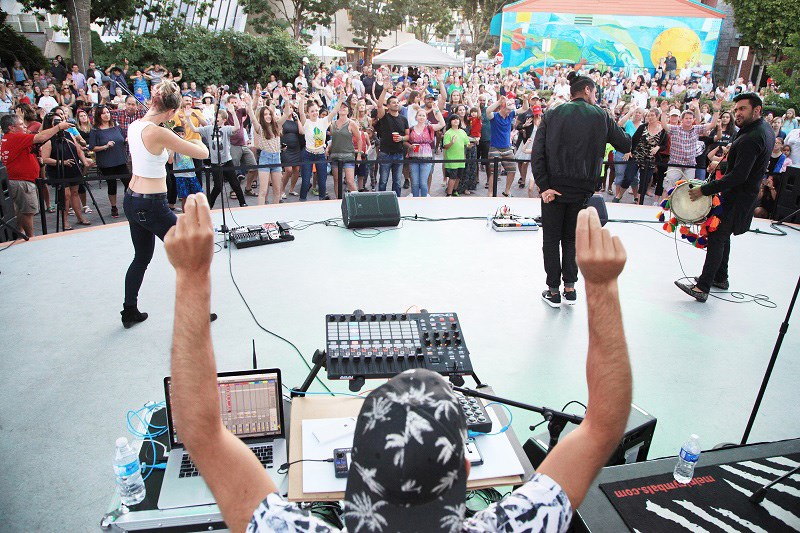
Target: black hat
(408, 471)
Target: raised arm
(575, 461)
(301, 103)
(169, 140)
(439, 119)
(44, 135)
(715, 117)
(381, 109)
(492, 108)
(232, 471)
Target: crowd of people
(371, 122)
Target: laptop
(251, 407)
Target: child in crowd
(455, 145)
(183, 169)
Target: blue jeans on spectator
(420, 170)
(310, 159)
(619, 169)
(396, 165)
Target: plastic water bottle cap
(122, 442)
(694, 437)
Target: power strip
(514, 224)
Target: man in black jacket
(567, 162)
(747, 163)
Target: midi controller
(361, 345)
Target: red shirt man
(23, 167)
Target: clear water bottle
(128, 473)
(687, 459)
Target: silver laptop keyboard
(188, 469)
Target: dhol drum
(684, 208)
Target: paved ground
(99, 189)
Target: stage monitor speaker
(6, 208)
(598, 202)
(370, 209)
(633, 448)
(788, 200)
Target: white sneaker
(283, 196)
(293, 193)
(87, 209)
(71, 211)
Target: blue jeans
(419, 177)
(306, 170)
(148, 218)
(396, 172)
(619, 169)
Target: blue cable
(147, 435)
(473, 434)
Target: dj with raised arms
(408, 469)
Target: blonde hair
(167, 96)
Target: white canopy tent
(325, 52)
(416, 53)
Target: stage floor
(69, 371)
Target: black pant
(172, 189)
(715, 267)
(645, 177)
(148, 218)
(483, 153)
(119, 172)
(230, 176)
(559, 220)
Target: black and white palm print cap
(408, 472)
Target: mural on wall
(618, 41)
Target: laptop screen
(250, 404)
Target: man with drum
(747, 163)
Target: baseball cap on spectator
(674, 113)
(305, 60)
(536, 110)
(394, 482)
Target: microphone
(759, 495)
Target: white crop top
(144, 163)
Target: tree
(210, 57)
(17, 47)
(371, 20)
(766, 25)
(786, 72)
(478, 15)
(301, 16)
(429, 19)
(81, 13)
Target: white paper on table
(499, 459)
(320, 477)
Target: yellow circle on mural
(682, 42)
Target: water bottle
(128, 473)
(687, 459)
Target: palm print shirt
(539, 505)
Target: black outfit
(747, 162)
(385, 127)
(292, 155)
(645, 163)
(567, 156)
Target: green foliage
(299, 16)
(428, 19)
(786, 72)
(775, 103)
(372, 20)
(478, 15)
(209, 57)
(766, 25)
(17, 47)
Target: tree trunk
(80, 36)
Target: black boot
(131, 316)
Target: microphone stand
(758, 496)
(557, 420)
(216, 134)
(777, 348)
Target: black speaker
(633, 448)
(6, 208)
(370, 209)
(598, 202)
(788, 199)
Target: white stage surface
(69, 371)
